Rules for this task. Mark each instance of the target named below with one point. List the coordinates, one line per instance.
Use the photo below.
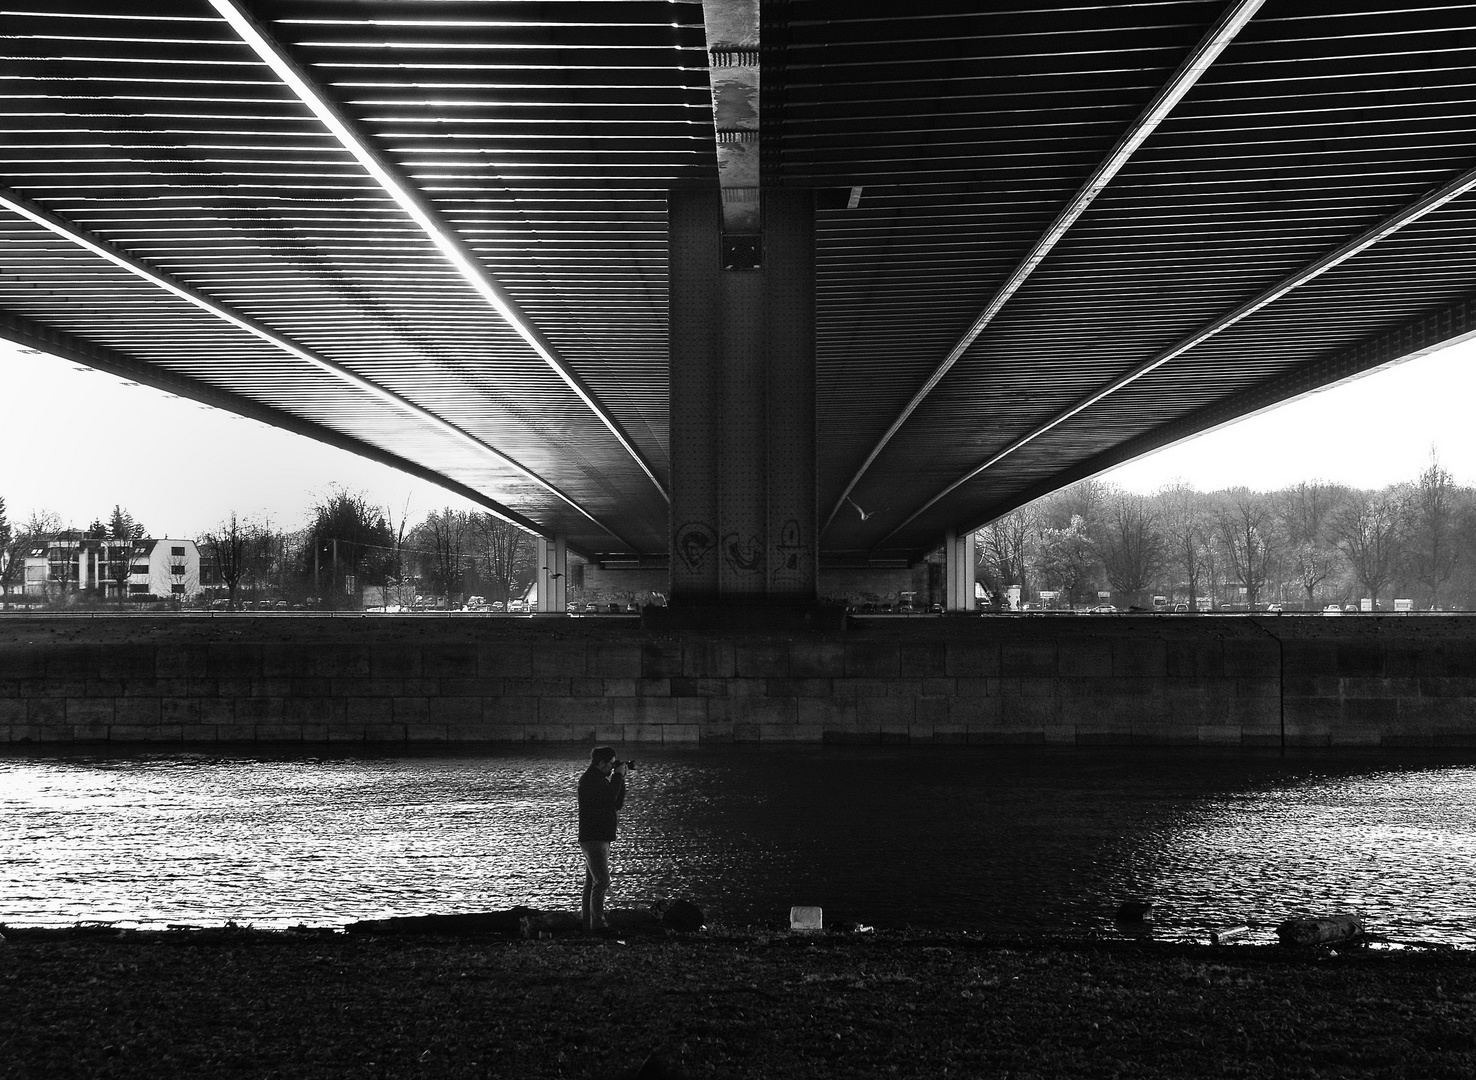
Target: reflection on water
(1015, 841)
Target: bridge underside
(1045, 241)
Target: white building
(71, 562)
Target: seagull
(863, 513)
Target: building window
(140, 568)
(177, 587)
(177, 551)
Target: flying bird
(863, 513)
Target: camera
(629, 765)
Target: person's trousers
(596, 882)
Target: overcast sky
(77, 441)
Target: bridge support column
(553, 576)
(958, 571)
(744, 524)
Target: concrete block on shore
(1326, 931)
(806, 920)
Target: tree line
(346, 545)
(1302, 547)
(349, 545)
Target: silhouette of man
(601, 795)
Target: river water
(1011, 841)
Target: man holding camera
(601, 795)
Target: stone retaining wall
(1364, 680)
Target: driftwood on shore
(1324, 931)
(913, 1005)
(530, 922)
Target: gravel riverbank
(724, 1003)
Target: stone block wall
(1237, 681)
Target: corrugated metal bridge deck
(1051, 237)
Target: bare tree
(1304, 512)
(1432, 542)
(1186, 535)
(1370, 529)
(443, 535)
(1132, 547)
(1068, 556)
(503, 550)
(1245, 526)
(1312, 564)
(7, 553)
(1304, 509)
(229, 543)
(1003, 548)
(41, 523)
(399, 581)
(1083, 499)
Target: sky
(77, 441)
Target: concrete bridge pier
(958, 551)
(744, 517)
(553, 575)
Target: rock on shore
(723, 1003)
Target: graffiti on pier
(743, 556)
(791, 555)
(694, 541)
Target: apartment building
(73, 562)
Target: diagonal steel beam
(59, 226)
(1429, 203)
(1435, 331)
(49, 339)
(442, 235)
(1188, 73)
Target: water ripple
(1039, 843)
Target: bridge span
(755, 292)
(216, 680)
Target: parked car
(1332, 609)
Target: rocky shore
(742, 1002)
